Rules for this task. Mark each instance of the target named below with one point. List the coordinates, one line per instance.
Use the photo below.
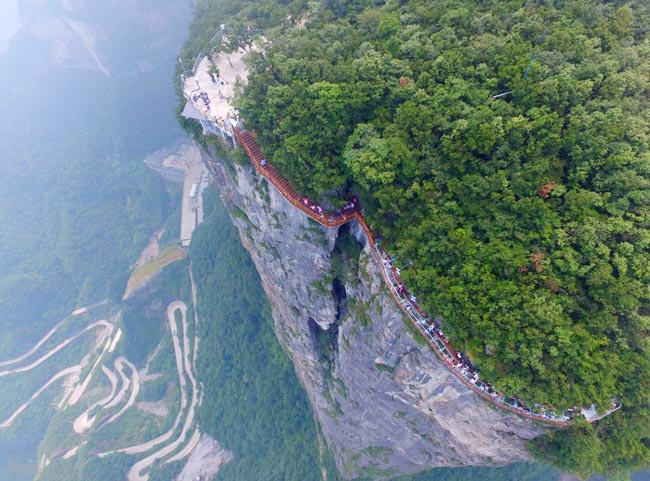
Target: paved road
(146, 463)
(107, 330)
(83, 422)
(47, 336)
(54, 350)
(65, 372)
(182, 358)
(33, 349)
(135, 389)
(81, 388)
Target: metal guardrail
(198, 60)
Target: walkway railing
(312, 209)
(432, 334)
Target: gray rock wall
(386, 405)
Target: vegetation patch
(345, 257)
(144, 273)
(237, 213)
(385, 368)
(359, 311)
(320, 286)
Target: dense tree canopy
(525, 214)
(502, 146)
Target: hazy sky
(9, 22)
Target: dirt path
(152, 249)
(65, 372)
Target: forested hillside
(501, 149)
(76, 203)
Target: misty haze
(361, 240)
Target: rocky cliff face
(386, 405)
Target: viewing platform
(209, 89)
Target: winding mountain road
(49, 334)
(74, 370)
(107, 325)
(106, 330)
(187, 408)
(81, 388)
(135, 389)
(42, 341)
(84, 421)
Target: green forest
(502, 148)
(66, 182)
(77, 205)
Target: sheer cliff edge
(385, 403)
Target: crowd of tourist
(456, 360)
(340, 213)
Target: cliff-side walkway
(433, 335)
